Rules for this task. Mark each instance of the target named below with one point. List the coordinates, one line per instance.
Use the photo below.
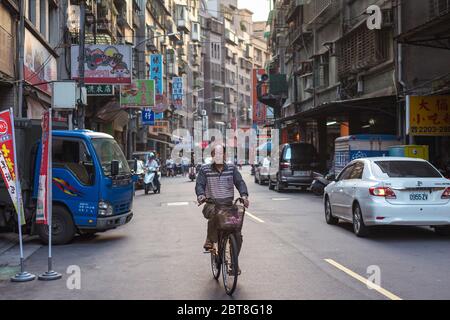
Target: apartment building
(340, 74)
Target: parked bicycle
(225, 253)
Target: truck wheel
(63, 228)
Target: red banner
(44, 172)
(8, 160)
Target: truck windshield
(108, 150)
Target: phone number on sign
(430, 130)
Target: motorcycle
(320, 182)
(151, 181)
(192, 173)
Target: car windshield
(108, 150)
(407, 169)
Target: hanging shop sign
(104, 64)
(428, 115)
(139, 94)
(40, 67)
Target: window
(108, 150)
(74, 156)
(345, 174)
(406, 169)
(357, 172)
(32, 6)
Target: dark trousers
(212, 232)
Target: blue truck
(92, 185)
(357, 146)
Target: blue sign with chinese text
(156, 72)
(148, 117)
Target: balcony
(218, 108)
(439, 8)
(181, 19)
(230, 36)
(294, 9)
(316, 9)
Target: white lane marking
(370, 284)
(281, 199)
(178, 204)
(254, 217)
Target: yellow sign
(428, 116)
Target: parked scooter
(151, 181)
(320, 182)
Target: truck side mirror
(114, 168)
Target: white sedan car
(389, 191)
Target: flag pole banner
(8, 162)
(43, 190)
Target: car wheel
(442, 230)
(329, 218)
(359, 227)
(279, 187)
(271, 186)
(63, 228)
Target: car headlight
(105, 209)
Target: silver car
(389, 191)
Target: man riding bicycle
(216, 181)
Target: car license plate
(301, 173)
(418, 197)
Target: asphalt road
(289, 252)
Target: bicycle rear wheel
(215, 263)
(230, 265)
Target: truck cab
(92, 185)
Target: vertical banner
(44, 173)
(177, 92)
(156, 72)
(8, 162)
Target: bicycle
(225, 254)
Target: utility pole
(81, 113)
(21, 38)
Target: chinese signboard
(100, 90)
(259, 109)
(156, 72)
(39, 65)
(428, 115)
(104, 64)
(148, 117)
(44, 172)
(177, 92)
(141, 93)
(8, 161)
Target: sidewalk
(9, 252)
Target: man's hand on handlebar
(245, 201)
(201, 199)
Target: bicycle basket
(230, 218)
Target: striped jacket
(220, 186)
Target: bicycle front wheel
(230, 265)
(215, 264)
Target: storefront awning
(344, 108)
(434, 34)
